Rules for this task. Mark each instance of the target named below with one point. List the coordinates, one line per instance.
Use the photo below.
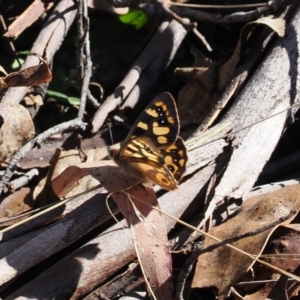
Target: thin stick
(85, 63)
(23, 180)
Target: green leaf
(134, 17)
(17, 63)
(63, 97)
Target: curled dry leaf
(284, 242)
(105, 171)
(66, 159)
(33, 99)
(16, 130)
(31, 76)
(148, 228)
(224, 266)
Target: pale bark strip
(47, 43)
(156, 57)
(32, 13)
(273, 87)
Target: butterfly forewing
(159, 121)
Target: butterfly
(153, 152)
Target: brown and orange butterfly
(153, 151)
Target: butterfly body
(152, 151)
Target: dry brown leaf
(15, 204)
(282, 252)
(16, 130)
(224, 266)
(31, 99)
(66, 159)
(262, 293)
(284, 243)
(105, 171)
(149, 234)
(31, 76)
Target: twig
(85, 63)
(188, 265)
(23, 180)
(37, 140)
(30, 15)
(92, 99)
(202, 39)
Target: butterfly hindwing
(175, 157)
